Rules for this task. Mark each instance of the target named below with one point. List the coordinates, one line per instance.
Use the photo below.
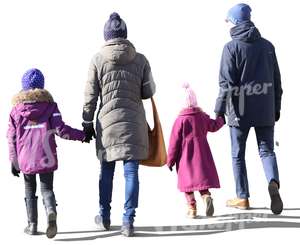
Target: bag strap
(155, 113)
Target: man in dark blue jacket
(250, 96)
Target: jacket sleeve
(227, 76)
(11, 137)
(91, 94)
(214, 125)
(62, 130)
(148, 85)
(174, 148)
(277, 85)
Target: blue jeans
(131, 190)
(265, 142)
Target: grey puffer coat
(121, 78)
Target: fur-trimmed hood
(31, 96)
(34, 104)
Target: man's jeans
(131, 190)
(265, 141)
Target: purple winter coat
(34, 121)
(189, 150)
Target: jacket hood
(245, 31)
(34, 104)
(190, 111)
(118, 51)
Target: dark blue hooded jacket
(250, 84)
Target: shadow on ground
(217, 224)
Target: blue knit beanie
(115, 27)
(32, 79)
(239, 13)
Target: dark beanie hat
(115, 27)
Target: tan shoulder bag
(157, 149)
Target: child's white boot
(209, 206)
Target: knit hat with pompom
(190, 98)
(115, 27)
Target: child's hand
(15, 172)
(86, 140)
(221, 115)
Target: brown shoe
(209, 206)
(192, 211)
(238, 203)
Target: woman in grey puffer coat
(120, 77)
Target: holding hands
(88, 129)
(221, 115)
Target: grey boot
(127, 230)
(103, 225)
(50, 206)
(32, 215)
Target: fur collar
(33, 95)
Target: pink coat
(190, 151)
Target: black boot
(32, 215)
(50, 206)
(276, 202)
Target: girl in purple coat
(189, 150)
(34, 121)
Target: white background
(183, 41)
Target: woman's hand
(88, 129)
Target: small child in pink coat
(190, 152)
